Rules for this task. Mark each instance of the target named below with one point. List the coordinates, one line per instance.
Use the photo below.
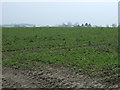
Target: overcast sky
(53, 13)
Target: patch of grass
(90, 50)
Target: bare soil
(49, 76)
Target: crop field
(89, 50)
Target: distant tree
(95, 26)
(114, 25)
(34, 25)
(86, 24)
(63, 25)
(69, 24)
(107, 25)
(89, 25)
(47, 26)
(82, 25)
(16, 25)
(76, 24)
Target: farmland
(89, 50)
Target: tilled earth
(48, 76)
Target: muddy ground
(49, 76)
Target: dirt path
(48, 77)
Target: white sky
(59, 0)
(55, 12)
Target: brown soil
(49, 76)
